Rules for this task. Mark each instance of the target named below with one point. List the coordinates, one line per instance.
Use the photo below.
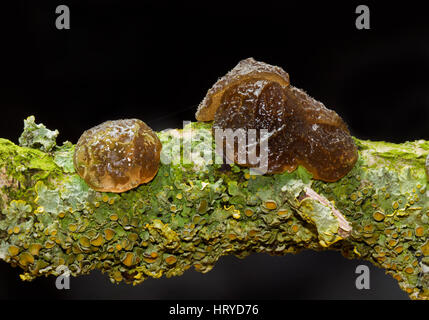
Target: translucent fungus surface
(302, 131)
(117, 156)
(244, 70)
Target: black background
(124, 59)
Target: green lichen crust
(194, 212)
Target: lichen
(190, 216)
(37, 136)
(63, 157)
(427, 167)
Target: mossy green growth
(194, 212)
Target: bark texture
(194, 211)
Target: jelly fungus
(244, 70)
(117, 156)
(302, 131)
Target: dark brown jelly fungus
(302, 131)
(117, 156)
(246, 69)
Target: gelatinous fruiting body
(302, 131)
(117, 156)
(246, 69)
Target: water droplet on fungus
(117, 156)
(302, 131)
(244, 70)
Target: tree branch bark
(193, 212)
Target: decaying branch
(192, 213)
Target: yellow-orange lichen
(420, 231)
(128, 259)
(109, 234)
(84, 241)
(34, 248)
(13, 250)
(270, 204)
(26, 258)
(425, 248)
(248, 212)
(378, 216)
(170, 260)
(97, 240)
